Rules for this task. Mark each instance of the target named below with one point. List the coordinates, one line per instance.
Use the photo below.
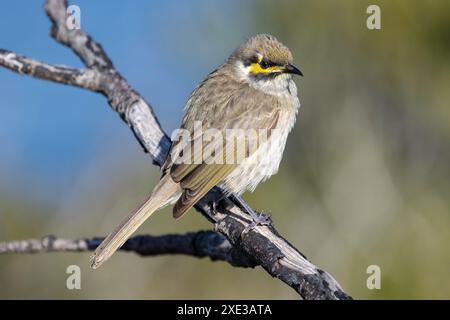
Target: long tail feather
(161, 196)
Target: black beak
(292, 69)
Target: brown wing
(243, 108)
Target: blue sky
(49, 132)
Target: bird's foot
(258, 219)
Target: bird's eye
(264, 64)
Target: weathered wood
(197, 244)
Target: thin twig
(83, 78)
(197, 244)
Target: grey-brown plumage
(252, 90)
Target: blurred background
(365, 178)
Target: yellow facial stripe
(255, 68)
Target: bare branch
(89, 51)
(198, 244)
(86, 78)
(263, 245)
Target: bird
(254, 90)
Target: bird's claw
(258, 219)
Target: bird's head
(263, 59)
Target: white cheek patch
(243, 71)
(275, 86)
